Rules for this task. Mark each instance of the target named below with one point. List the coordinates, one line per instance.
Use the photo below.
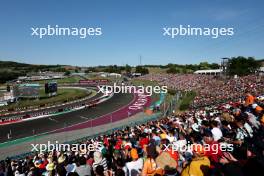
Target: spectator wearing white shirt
(134, 167)
(217, 133)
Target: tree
(173, 70)
(142, 70)
(67, 73)
(242, 66)
(214, 66)
(112, 69)
(60, 69)
(91, 69)
(204, 66)
(128, 68)
(9, 75)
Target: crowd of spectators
(226, 139)
(182, 82)
(211, 90)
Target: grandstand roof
(209, 71)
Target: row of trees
(10, 70)
(118, 69)
(110, 69)
(10, 75)
(243, 66)
(236, 65)
(190, 68)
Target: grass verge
(63, 95)
(186, 100)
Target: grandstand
(209, 72)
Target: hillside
(10, 70)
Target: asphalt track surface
(43, 125)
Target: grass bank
(186, 100)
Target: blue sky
(130, 28)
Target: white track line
(84, 117)
(53, 120)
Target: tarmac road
(28, 128)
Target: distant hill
(24, 66)
(10, 70)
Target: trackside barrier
(159, 102)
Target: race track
(70, 104)
(43, 125)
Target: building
(209, 72)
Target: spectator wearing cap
(134, 167)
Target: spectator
(199, 165)
(82, 168)
(100, 161)
(134, 167)
(217, 133)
